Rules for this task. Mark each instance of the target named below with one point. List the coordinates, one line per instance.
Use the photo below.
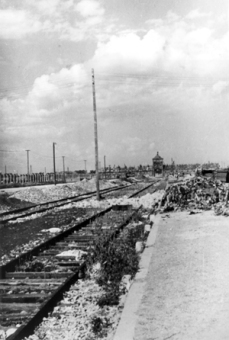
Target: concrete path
(184, 293)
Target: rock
(139, 246)
(97, 266)
(10, 331)
(126, 282)
(147, 228)
(54, 230)
(77, 253)
(23, 312)
(2, 334)
(152, 218)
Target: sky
(161, 79)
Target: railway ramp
(182, 289)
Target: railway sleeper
(19, 288)
(70, 245)
(19, 307)
(59, 258)
(37, 275)
(56, 249)
(83, 238)
(34, 282)
(69, 264)
(23, 298)
(16, 318)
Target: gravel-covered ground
(78, 315)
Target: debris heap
(198, 193)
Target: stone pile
(199, 193)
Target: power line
(12, 150)
(117, 77)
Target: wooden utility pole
(63, 169)
(27, 161)
(105, 166)
(96, 138)
(54, 163)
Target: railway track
(33, 283)
(42, 207)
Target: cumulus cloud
(16, 24)
(221, 87)
(174, 48)
(196, 14)
(74, 22)
(89, 8)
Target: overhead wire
(118, 78)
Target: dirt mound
(52, 193)
(10, 203)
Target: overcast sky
(161, 75)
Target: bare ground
(186, 296)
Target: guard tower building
(158, 164)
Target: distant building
(158, 164)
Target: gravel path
(187, 289)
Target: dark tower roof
(157, 157)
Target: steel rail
(147, 187)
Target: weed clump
(117, 257)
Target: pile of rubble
(198, 193)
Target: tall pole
(85, 165)
(27, 161)
(63, 169)
(54, 163)
(105, 166)
(96, 138)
